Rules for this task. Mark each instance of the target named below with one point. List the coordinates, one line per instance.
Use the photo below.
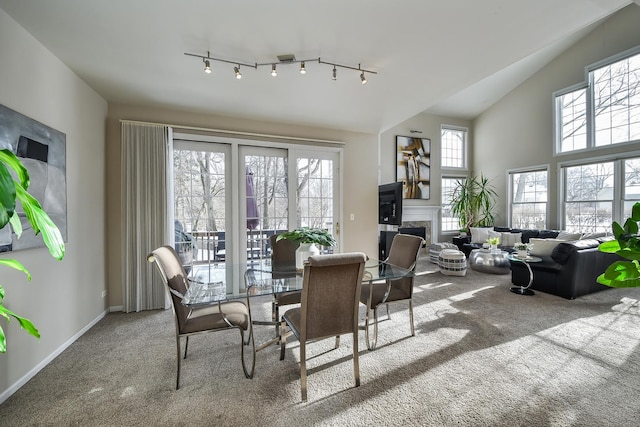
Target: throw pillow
(543, 247)
(482, 234)
(565, 235)
(510, 239)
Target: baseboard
(22, 381)
(115, 308)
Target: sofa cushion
(543, 247)
(564, 250)
(482, 234)
(526, 234)
(510, 239)
(565, 235)
(548, 234)
(501, 229)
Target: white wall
(63, 296)
(520, 126)
(430, 125)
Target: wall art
(413, 166)
(42, 150)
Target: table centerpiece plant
(523, 249)
(308, 238)
(10, 191)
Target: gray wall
(63, 297)
(520, 126)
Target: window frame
(444, 232)
(538, 168)
(465, 149)
(587, 84)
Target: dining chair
(404, 252)
(283, 265)
(221, 316)
(328, 306)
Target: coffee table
(524, 290)
(488, 261)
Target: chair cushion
(287, 298)
(293, 318)
(209, 317)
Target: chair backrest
(283, 254)
(404, 252)
(174, 279)
(330, 295)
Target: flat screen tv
(390, 203)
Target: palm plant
(472, 201)
(10, 191)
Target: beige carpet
(482, 356)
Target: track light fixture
(283, 60)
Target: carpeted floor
(482, 356)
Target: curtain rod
(232, 132)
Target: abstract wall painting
(42, 150)
(413, 166)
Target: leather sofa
(465, 245)
(571, 270)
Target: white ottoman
(452, 262)
(435, 248)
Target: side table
(524, 290)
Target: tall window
(606, 111)
(453, 142)
(589, 196)
(529, 194)
(449, 221)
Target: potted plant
(623, 274)
(308, 238)
(472, 201)
(523, 249)
(493, 243)
(10, 190)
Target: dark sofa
(570, 271)
(465, 245)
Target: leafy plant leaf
(41, 222)
(621, 274)
(7, 196)
(16, 265)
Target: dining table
(261, 279)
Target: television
(390, 203)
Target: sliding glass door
(229, 198)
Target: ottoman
(452, 262)
(487, 261)
(435, 248)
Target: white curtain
(146, 151)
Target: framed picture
(413, 166)
(42, 150)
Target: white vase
(522, 253)
(304, 251)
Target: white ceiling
(447, 57)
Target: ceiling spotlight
(302, 69)
(237, 71)
(273, 70)
(207, 66)
(363, 78)
(334, 76)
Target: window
(605, 112)
(453, 142)
(449, 222)
(529, 194)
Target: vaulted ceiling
(447, 57)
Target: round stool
(452, 262)
(435, 248)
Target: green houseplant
(308, 238)
(10, 191)
(472, 201)
(623, 274)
